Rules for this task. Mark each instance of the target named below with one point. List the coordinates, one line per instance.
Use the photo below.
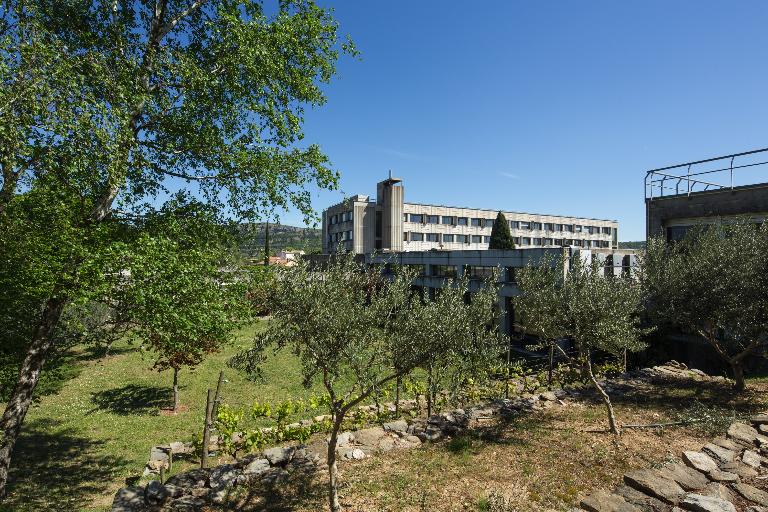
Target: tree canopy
(356, 331)
(109, 108)
(569, 299)
(501, 238)
(713, 283)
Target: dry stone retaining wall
(728, 474)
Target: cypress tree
(501, 238)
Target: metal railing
(686, 178)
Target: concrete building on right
(720, 189)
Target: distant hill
(632, 245)
(281, 237)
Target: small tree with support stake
(562, 299)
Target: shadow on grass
(57, 468)
(132, 399)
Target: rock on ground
(653, 483)
(701, 503)
(603, 501)
(752, 494)
(129, 499)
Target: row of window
(340, 217)
(451, 220)
(506, 274)
(341, 236)
(445, 238)
(520, 241)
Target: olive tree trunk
(29, 375)
(333, 470)
(738, 375)
(614, 426)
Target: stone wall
(727, 475)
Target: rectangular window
(462, 239)
(417, 217)
(474, 272)
(568, 228)
(447, 239)
(525, 225)
(448, 220)
(444, 271)
(513, 224)
(349, 235)
(511, 275)
(405, 217)
(405, 236)
(486, 239)
(433, 219)
(477, 239)
(606, 231)
(525, 241)
(489, 223)
(557, 227)
(477, 222)
(433, 237)
(536, 225)
(417, 237)
(461, 221)
(537, 241)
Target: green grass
(80, 444)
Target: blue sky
(546, 107)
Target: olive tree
(570, 298)
(713, 283)
(107, 107)
(355, 332)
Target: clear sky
(541, 106)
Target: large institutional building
(389, 224)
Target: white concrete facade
(392, 225)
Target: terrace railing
(723, 172)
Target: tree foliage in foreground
(501, 238)
(570, 299)
(356, 332)
(106, 108)
(714, 283)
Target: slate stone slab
(701, 503)
(653, 483)
(687, 478)
(699, 461)
(743, 434)
(751, 493)
(603, 501)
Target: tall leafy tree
(106, 107)
(571, 299)
(356, 332)
(713, 284)
(501, 238)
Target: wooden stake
(207, 429)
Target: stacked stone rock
(194, 489)
(727, 474)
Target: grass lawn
(79, 445)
